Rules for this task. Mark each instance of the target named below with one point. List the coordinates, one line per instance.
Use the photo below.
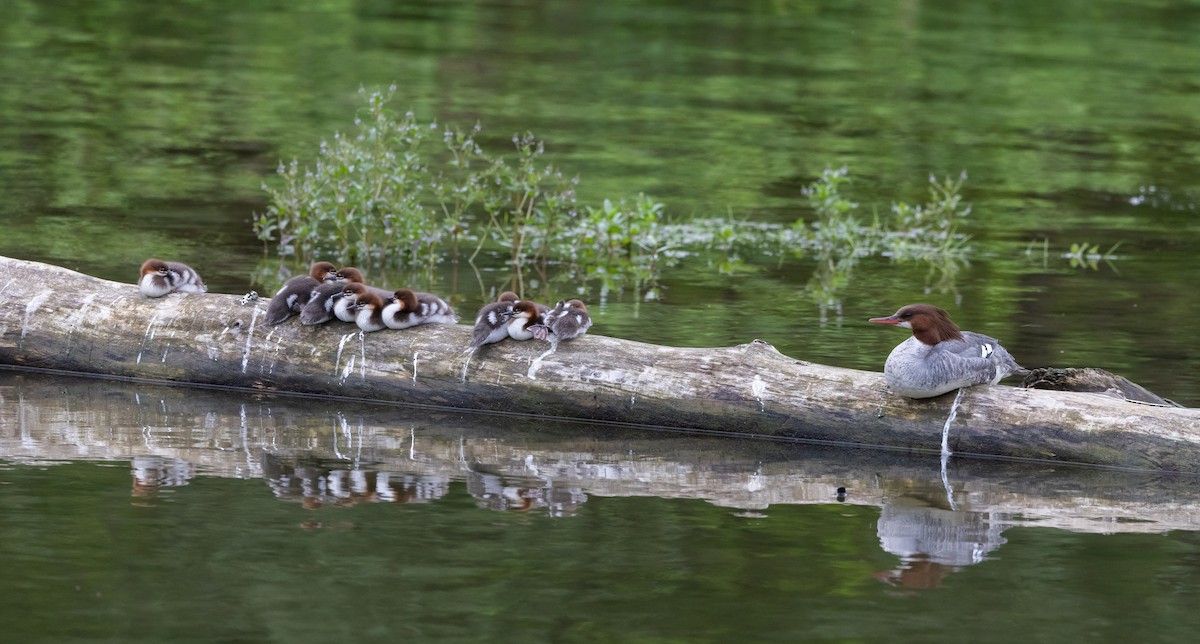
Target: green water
(134, 129)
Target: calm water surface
(133, 513)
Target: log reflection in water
(312, 453)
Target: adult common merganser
(369, 311)
(568, 319)
(296, 292)
(409, 308)
(343, 308)
(159, 278)
(939, 357)
(491, 325)
(525, 314)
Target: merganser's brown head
(929, 324)
(355, 290)
(323, 271)
(527, 310)
(350, 274)
(407, 300)
(367, 300)
(154, 266)
(576, 304)
(508, 296)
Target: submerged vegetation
(399, 193)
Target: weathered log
(1091, 379)
(54, 318)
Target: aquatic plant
(394, 191)
(1084, 255)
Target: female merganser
(343, 308)
(939, 357)
(409, 308)
(159, 278)
(369, 312)
(525, 314)
(296, 292)
(491, 325)
(568, 319)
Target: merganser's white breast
(344, 307)
(525, 314)
(369, 313)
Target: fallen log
(54, 318)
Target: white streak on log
(415, 354)
(262, 365)
(31, 306)
(362, 344)
(758, 388)
(249, 339)
(147, 337)
(78, 316)
(950, 419)
(470, 353)
(537, 362)
(348, 370)
(337, 363)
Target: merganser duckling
(319, 308)
(343, 308)
(369, 311)
(525, 314)
(491, 325)
(567, 320)
(296, 292)
(939, 357)
(159, 278)
(409, 308)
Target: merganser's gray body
(918, 370)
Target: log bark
(54, 318)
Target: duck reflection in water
(932, 542)
(151, 472)
(519, 493)
(315, 486)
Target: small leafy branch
(389, 194)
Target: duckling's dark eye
(905, 316)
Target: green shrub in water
(394, 191)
